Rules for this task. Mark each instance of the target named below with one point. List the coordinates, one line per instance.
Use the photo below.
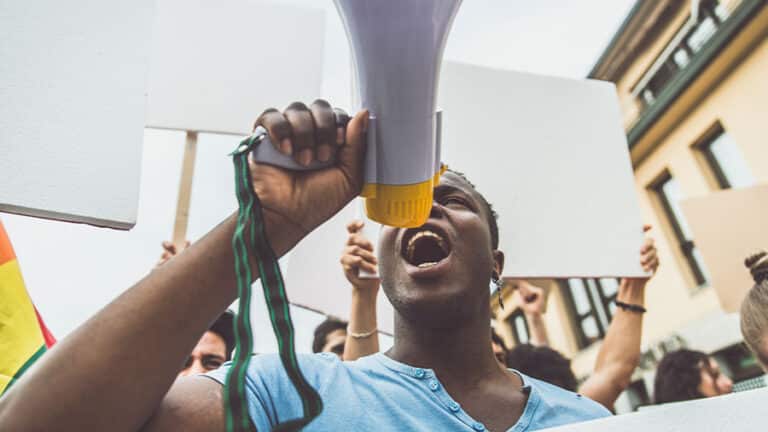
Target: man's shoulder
(569, 406)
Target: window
(726, 161)
(591, 306)
(710, 18)
(668, 193)
(738, 362)
(519, 327)
(637, 394)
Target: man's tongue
(425, 249)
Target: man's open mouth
(425, 247)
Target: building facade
(692, 79)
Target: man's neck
(462, 355)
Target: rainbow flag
(23, 335)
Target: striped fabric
(251, 238)
(23, 335)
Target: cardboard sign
(217, 65)
(727, 227)
(73, 85)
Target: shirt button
(419, 373)
(433, 385)
(478, 426)
(453, 406)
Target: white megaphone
(397, 48)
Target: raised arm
(362, 335)
(620, 351)
(532, 301)
(113, 371)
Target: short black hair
(543, 363)
(224, 326)
(322, 331)
(492, 215)
(678, 376)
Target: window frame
(686, 245)
(576, 318)
(518, 314)
(654, 87)
(714, 165)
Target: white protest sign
(551, 156)
(217, 65)
(733, 412)
(73, 85)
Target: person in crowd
(440, 373)
(214, 347)
(360, 267)
(330, 336)
(544, 363)
(619, 352)
(685, 374)
(754, 309)
(169, 251)
(533, 303)
(217, 343)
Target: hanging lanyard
(250, 238)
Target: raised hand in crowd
(533, 302)
(619, 353)
(358, 257)
(170, 251)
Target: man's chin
(434, 309)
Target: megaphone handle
(265, 151)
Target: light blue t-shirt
(376, 393)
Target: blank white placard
(551, 156)
(72, 86)
(732, 412)
(217, 65)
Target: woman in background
(754, 309)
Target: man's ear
(498, 258)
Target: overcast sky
(73, 270)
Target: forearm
(112, 372)
(620, 351)
(362, 319)
(622, 340)
(538, 329)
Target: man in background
(214, 347)
(685, 374)
(330, 336)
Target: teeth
(426, 233)
(426, 264)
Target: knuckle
(297, 106)
(321, 103)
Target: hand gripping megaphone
(397, 49)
